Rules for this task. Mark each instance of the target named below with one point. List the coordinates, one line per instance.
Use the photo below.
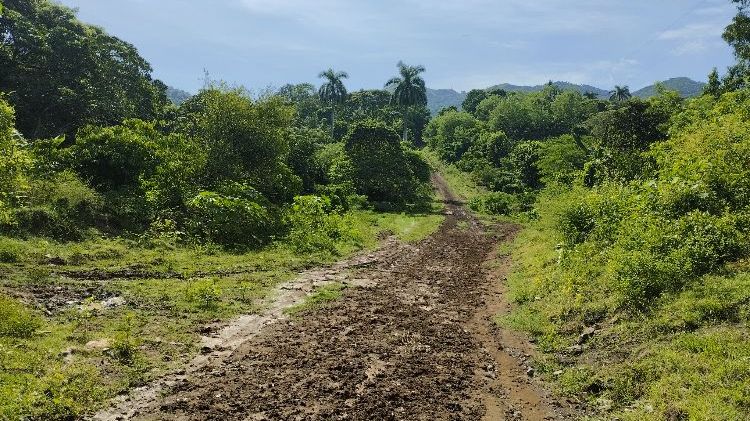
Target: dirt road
(411, 339)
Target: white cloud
(693, 38)
(693, 31)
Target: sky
(464, 44)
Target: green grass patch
(318, 299)
(459, 181)
(64, 365)
(685, 357)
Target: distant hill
(177, 96)
(567, 86)
(438, 99)
(687, 87)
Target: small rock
(557, 373)
(530, 372)
(586, 334)
(576, 349)
(99, 344)
(113, 302)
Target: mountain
(438, 99)
(566, 86)
(687, 87)
(177, 96)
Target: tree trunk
(333, 121)
(404, 137)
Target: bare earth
(411, 339)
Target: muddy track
(411, 339)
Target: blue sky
(463, 43)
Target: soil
(412, 338)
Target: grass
(460, 182)
(65, 360)
(686, 358)
(319, 298)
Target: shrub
(125, 346)
(228, 220)
(205, 295)
(10, 251)
(495, 203)
(17, 321)
(312, 226)
(381, 169)
(118, 156)
(451, 134)
(576, 223)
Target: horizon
(628, 43)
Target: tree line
(92, 145)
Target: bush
(16, 321)
(205, 295)
(229, 221)
(381, 169)
(312, 226)
(495, 203)
(451, 134)
(115, 157)
(10, 251)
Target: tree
(713, 87)
(333, 92)
(620, 94)
(473, 99)
(737, 34)
(590, 95)
(408, 90)
(382, 170)
(63, 74)
(244, 140)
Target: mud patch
(411, 339)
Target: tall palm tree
(620, 93)
(408, 90)
(333, 91)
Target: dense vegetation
(632, 271)
(207, 200)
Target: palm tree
(620, 93)
(590, 95)
(408, 90)
(333, 91)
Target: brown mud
(412, 338)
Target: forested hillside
(444, 98)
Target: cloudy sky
(463, 43)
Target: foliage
(314, 226)
(381, 168)
(71, 73)
(495, 203)
(229, 220)
(243, 140)
(658, 265)
(451, 134)
(17, 321)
